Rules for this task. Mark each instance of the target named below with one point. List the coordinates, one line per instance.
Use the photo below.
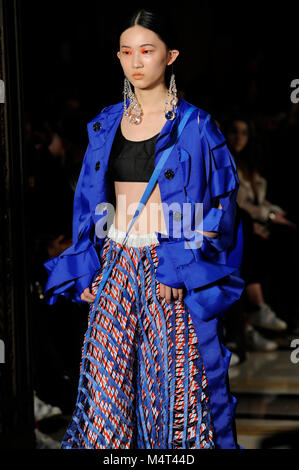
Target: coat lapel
(110, 120)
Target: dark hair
(156, 21)
(250, 158)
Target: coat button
(97, 126)
(177, 216)
(169, 174)
(97, 167)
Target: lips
(138, 75)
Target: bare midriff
(128, 194)
(127, 197)
(151, 218)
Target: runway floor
(267, 388)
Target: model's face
(238, 136)
(144, 57)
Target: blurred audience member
(54, 151)
(273, 233)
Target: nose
(136, 60)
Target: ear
(118, 54)
(172, 55)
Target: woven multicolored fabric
(142, 381)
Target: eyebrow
(142, 45)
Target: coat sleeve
(72, 271)
(211, 273)
(222, 187)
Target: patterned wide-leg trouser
(142, 380)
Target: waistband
(134, 239)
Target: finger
(181, 294)
(90, 298)
(168, 294)
(83, 297)
(175, 293)
(162, 290)
(87, 296)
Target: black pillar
(16, 394)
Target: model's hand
(170, 293)
(87, 296)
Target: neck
(152, 100)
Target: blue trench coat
(202, 171)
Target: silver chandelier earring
(134, 111)
(170, 105)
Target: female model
(153, 371)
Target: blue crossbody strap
(145, 196)
(157, 171)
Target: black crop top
(131, 161)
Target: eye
(146, 50)
(126, 52)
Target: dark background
(232, 53)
